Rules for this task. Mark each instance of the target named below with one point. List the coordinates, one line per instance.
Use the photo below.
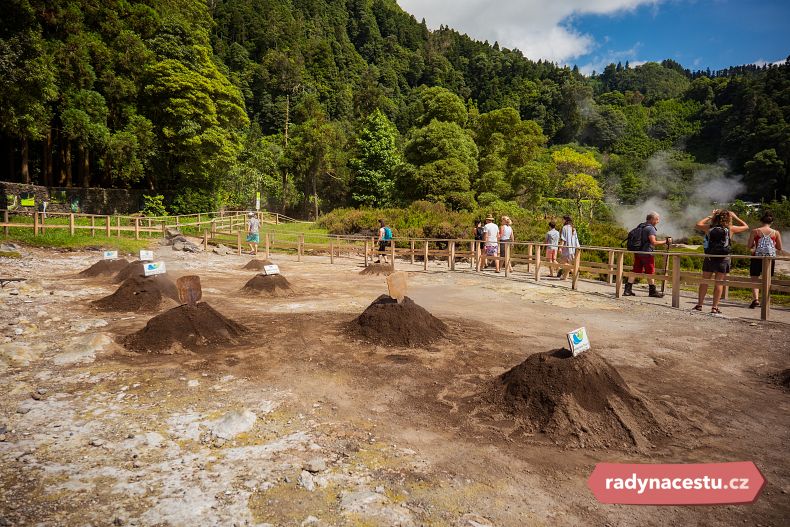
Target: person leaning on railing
(763, 241)
(718, 229)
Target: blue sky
(591, 33)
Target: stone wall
(26, 198)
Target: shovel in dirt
(189, 290)
(396, 283)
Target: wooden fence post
(452, 255)
(118, 222)
(537, 263)
(267, 245)
(205, 241)
(610, 269)
(213, 228)
(367, 249)
(529, 255)
(675, 281)
(392, 250)
(150, 228)
(238, 242)
(473, 250)
(71, 224)
(137, 228)
(411, 249)
(164, 229)
(5, 220)
(300, 248)
(478, 255)
(35, 224)
(618, 284)
(576, 263)
(765, 306)
(331, 250)
(93, 225)
(425, 260)
(107, 226)
(507, 258)
(42, 224)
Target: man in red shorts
(645, 263)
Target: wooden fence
(230, 227)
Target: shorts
(756, 267)
(502, 248)
(644, 263)
(254, 238)
(491, 250)
(551, 254)
(383, 246)
(716, 265)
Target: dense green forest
(326, 103)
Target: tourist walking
(552, 241)
(385, 239)
(253, 233)
(490, 244)
(506, 236)
(763, 241)
(719, 230)
(569, 241)
(643, 239)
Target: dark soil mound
(578, 401)
(378, 269)
(391, 324)
(268, 285)
(139, 293)
(135, 268)
(782, 379)
(104, 268)
(257, 265)
(198, 328)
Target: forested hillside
(327, 103)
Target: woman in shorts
(763, 241)
(718, 229)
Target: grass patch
(60, 238)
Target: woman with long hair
(764, 241)
(569, 241)
(506, 235)
(718, 229)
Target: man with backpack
(643, 239)
(385, 238)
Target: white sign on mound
(110, 255)
(578, 341)
(396, 283)
(154, 268)
(146, 256)
(271, 269)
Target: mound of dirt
(268, 285)
(378, 269)
(257, 265)
(104, 268)
(578, 401)
(198, 328)
(135, 268)
(782, 379)
(138, 293)
(391, 324)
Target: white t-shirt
(492, 232)
(507, 233)
(570, 240)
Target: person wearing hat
(253, 233)
(491, 236)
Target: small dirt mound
(378, 269)
(391, 324)
(139, 293)
(257, 265)
(268, 285)
(104, 268)
(782, 379)
(578, 401)
(198, 329)
(135, 268)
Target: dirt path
(349, 433)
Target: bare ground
(96, 435)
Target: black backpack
(635, 241)
(718, 240)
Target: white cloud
(541, 29)
(600, 61)
(763, 62)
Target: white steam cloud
(681, 197)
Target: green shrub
(154, 205)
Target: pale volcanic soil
(298, 420)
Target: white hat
(251, 214)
